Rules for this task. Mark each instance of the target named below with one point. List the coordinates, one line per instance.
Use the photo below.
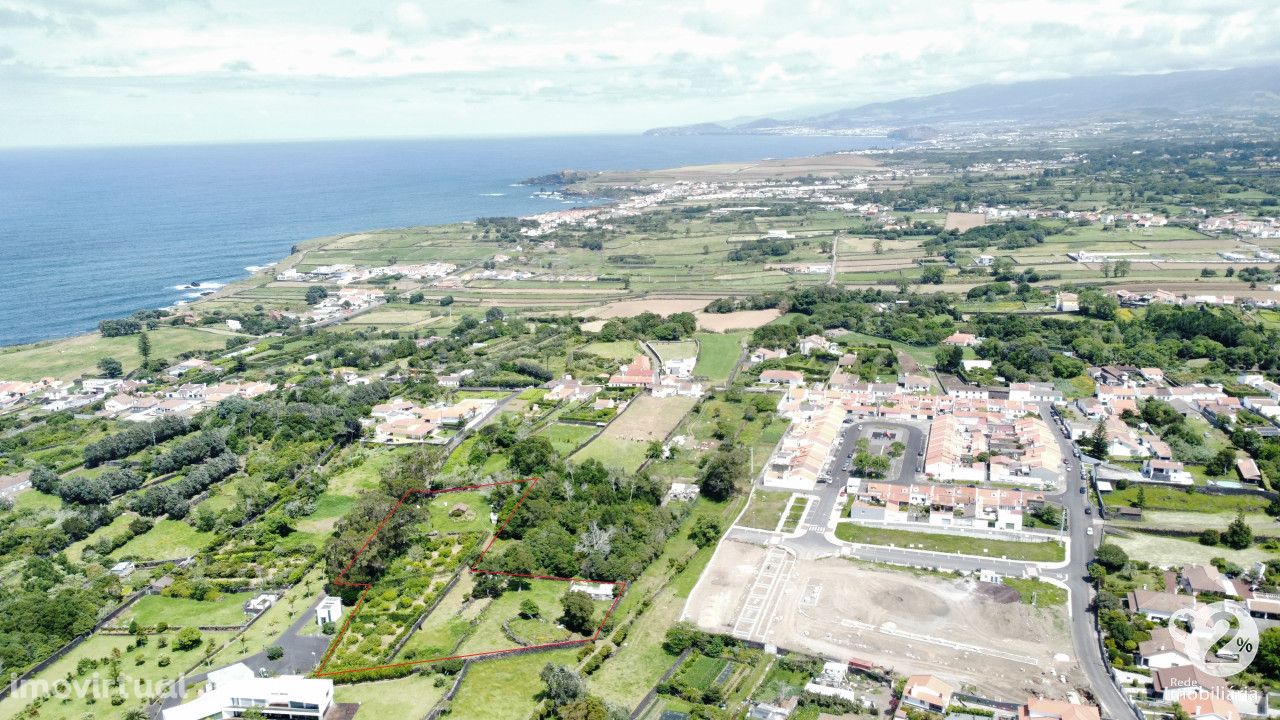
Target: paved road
(1113, 701)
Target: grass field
(488, 633)
(167, 540)
(701, 671)
(1037, 592)
(718, 355)
(408, 697)
(152, 610)
(566, 438)
(505, 689)
(621, 350)
(72, 357)
(295, 602)
(99, 648)
(765, 509)
(616, 452)
(1165, 498)
(475, 518)
(936, 542)
(650, 418)
(1171, 552)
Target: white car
(1088, 531)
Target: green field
(620, 350)
(616, 452)
(719, 353)
(506, 688)
(463, 511)
(408, 697)
(765, 509)
(1167, 498)
(1050, 551)
(566, 438)
(167, 540)
(152, 610)
(75, 356)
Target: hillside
(1237, 92)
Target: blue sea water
(94, 233)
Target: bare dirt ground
(741, 320)
(631, 308)
(824, 165)
(964, 221)
(912, 623)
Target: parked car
(1088, 531)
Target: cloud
(653, 60)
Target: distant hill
(1237, 92)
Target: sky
(120, 72)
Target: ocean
(93, 233)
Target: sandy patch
(964, 221)
(741, 320)
(950, 627)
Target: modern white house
(232, 690)
(329, 610)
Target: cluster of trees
(580, 521)
(173, 498)
(130, 441)
(762, 249)
(763, 301)
(51, 603)
(650, 326)
(86, 490)
(190, 451)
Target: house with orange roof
(1045, 709)
(928, 693)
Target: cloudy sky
(159, 71)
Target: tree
(878, 247)
(579, 612)
(948, 358)
(315, 294)
(275, 652)
(705, 532)
(562, 685)
(110, 367)
(144, 347)
(587, 708)
(1097, 443)
(654, 450)
(533, 455)
(1267, 661)
(719, 479)
(493, 314)
(1140, 501)
(1238, 535)
(529, 609)
(252, 713)
(188, 638)
(1222, 462)
(1210, 537)
(1121, 268)
(1111, 557)
(446, 301)
(932, 275)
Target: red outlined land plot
(619, 587)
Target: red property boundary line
(531, 482)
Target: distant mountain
(1242, 91)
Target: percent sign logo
(1219, 638)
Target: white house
(232, 690)
(329, 610)
(1034, 392)
(597, 591)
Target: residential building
(1045, 709)
(1034, 392)
(1175, 683)
(1067, 302)
(961, 339)
(1158, 606)
(1196, 578)
(329, 610)
(597, 591)
(782, 377)
(637, 373)
(1161, 651)
(926, 692)
(1209, 707)
(229, 692)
